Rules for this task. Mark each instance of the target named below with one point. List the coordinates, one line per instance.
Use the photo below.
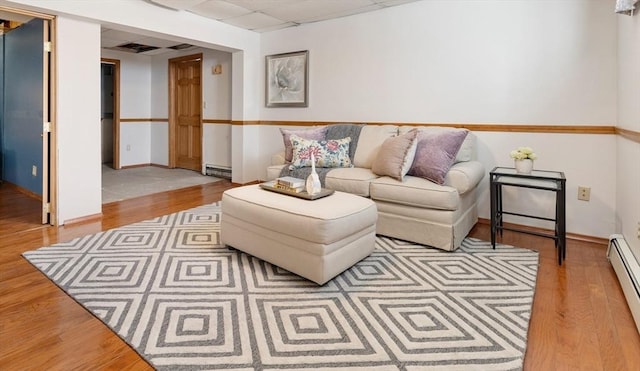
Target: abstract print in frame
(287, 79)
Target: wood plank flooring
(580, 319)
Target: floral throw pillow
(318, 133)
(327, 153)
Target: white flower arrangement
(522, 153)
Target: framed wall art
(287, 79)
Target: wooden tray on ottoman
(269, 186)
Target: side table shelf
(553, 181)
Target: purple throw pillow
(436, 153)
(318, 133)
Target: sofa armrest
(465, 176)
(278, 158)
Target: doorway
(185, 112)
(110, 112)
(27, 127)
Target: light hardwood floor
(580, 320)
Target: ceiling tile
(262, 4)
(110, 43)
(121, 35)
(343, 13)
(276, 27)
(393, 2)
(302, 10)
(178, 4)
(254, 21)
(159, 51)
(219, 9)
(157, 42)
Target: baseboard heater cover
(627, 268)
(218, 171)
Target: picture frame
(287, 79)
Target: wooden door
(186, 116)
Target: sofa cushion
(327, 153)
(352, 180)
(416, 192)
(318, 133)
(369, 142)
(396, 155)
(467, 151)
(436, 152)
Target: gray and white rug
(183, 301)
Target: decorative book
(290, 181)
(288, 188)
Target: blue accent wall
(1, 107)
(22, 116)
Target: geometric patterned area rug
(184, 302)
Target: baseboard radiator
(218, 171)
(627, 268)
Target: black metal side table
(553, 181)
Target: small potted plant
(523, 158)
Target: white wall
(464, 61)
(534, 62)
(216, 149)
(216, 92)
(503, 62)
(216, 97)
(159, 146)
(144, 94)
(135, 102)
(156, 22)
(628, 169)
(78, 119)
(591, 168)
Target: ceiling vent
(181, 46)
(135, 47)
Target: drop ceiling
(253, 15)
(270, 15)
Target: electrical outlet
(34, 170)
(638, 231)
(584, 193)
(128, 147)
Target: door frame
(116, 109)
(173, 62)
(49, 115)
(47, 120)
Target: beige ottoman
(315, 239)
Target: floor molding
(22, 190)
(570, 236)
(84, 219)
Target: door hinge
(47, 46)
(46, 127)
(46, 207)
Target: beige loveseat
(414, 209)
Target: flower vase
(524, 166)
(313, 185)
